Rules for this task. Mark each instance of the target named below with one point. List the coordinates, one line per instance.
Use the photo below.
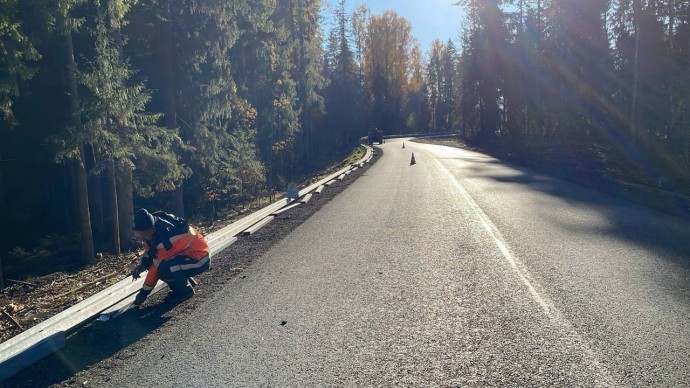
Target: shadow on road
(633, 221)
(95, 342)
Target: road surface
(461, 270)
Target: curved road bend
(459, 271)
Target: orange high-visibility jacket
(172, 237)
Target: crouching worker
(174, 253)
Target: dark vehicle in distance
(376, 136)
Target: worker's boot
(179, 292)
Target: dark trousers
(177, 271)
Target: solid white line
(548, 308)
(498, 240)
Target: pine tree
(343, 92)
(266, 79)
(308, 75)
(386, 67)
(487, 38)
(577, 53)
(449, 67)
(418, 113)
(681, 85)
(192, 42)
(435, 77)
(123, 134)
(442, 76)
(15, 63)
(71, 141)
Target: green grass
(355, 156)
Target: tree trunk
(84, 219)
(119, 180)
(177, 205)
(671, 62)
(125, 203)
(95, 193)
(633, 107)
(69, 193)
(671, 25)
(113, 207)
(87, 249)
(170, 101)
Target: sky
(430, 19)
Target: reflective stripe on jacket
(173, 237)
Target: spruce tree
(123, 133)
(342, 93)
(72, 139)
(16, 61)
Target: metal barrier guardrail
(426, 135)
(49, 336)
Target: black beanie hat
(143, 220)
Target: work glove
(141, 297)
(136, 272)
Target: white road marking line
(498, 240)
(549, 310)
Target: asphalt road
(458, 271)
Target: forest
(198, 106)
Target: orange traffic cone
(403, 145)
(412, 162)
